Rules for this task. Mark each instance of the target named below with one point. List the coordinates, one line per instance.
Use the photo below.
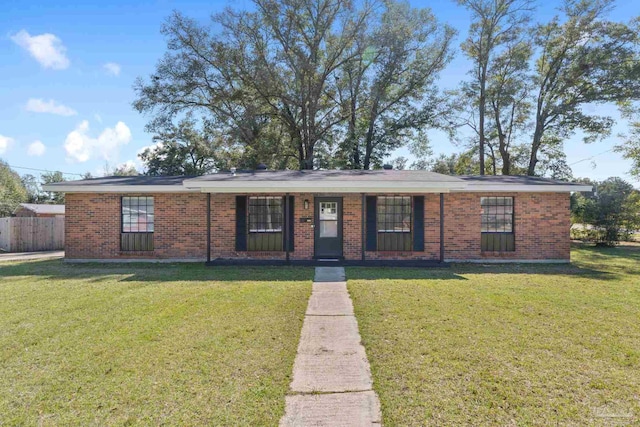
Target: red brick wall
(542, 222)
(93, 227)
(223, 223)
(431, 235)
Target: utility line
(591, 158)
(44, 170)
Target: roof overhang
(198, 185)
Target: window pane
(394, 219)
(137, 214)
(328, 228)
(497, 224)
(266, 217)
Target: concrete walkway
(331, 383)
(23, 256)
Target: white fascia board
(524, 188)
(324, 186)
(118, 189)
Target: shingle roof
(330, 175)
(43, 208)
(345, 181)
(513, 180)
(126, 180)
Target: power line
(591, 158)
(44, 170)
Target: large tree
(531, 90)
(12, 190)
(611, 211)
(388, 88)
(495, 23)
(277, 63)
(273, 81)
(583, 59)
(54, 197)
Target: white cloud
(81, 147)
(5, 142)
(98, 117)
(112, 68)
(46, 48)
(36, 148)
(41, 106)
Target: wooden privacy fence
(30, 234)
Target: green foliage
(297, 83)
(125, 170)
(495, 98)
(530, 83)
(584, 59)
(54, 197)
(180, 150)
(630, 148)
(387, 89)
(12, 190)
(608, 215)
(464, 163)
(34, 191)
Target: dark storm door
(328, 227)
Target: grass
(505, 345)
(147, 344)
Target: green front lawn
(147, 344)
(514, 345)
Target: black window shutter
(292, 223)
(371, 226)
(418, 223)
(241, 223)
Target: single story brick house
(357, 217)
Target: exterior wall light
(306, 204)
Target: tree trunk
(369, 136)
(535, 146)
(506, 159)
(308, 160)
(481, 125)
(356, 162)
(502, 145)
(492, 156)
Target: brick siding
(93, 227)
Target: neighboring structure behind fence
(30, 234)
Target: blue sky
(67, 72)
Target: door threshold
(328, 259)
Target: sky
(67, 70)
